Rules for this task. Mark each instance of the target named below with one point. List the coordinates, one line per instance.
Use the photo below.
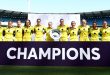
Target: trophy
(55, 34)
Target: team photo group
(71, 32)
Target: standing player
(73, 32)
(39, 31)
(94, 32)
(84, 31)
(64, 30)
(1, 32)
(9, 32)
(18, 31)
(49, 28)
(105, 31)
(27, 31)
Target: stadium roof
(12, 14)
(105, 13)
(17, 14)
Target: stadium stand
(6, 15)
(98, 16)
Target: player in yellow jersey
(27, 31)
(1, 32)
(73, 32)
(105, 31)
(64, 30)
(94, 32)
(18, 31)
(39, 31)
(48, 29)
(9, 32)
(84, 31)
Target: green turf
(33, 70)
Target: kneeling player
(105, 31)
(84, 31)
(94, 32)
(73, 32)
(9, 32)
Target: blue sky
(56, 6)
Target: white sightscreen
(54, 18)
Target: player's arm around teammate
(105, 31)
(1, 32)
(39, 31)
(73, 32)
(94, 32)
(18, 31)
(48, 29)
(84, 31)
(9, 32)
(64, 30)
(27, 31)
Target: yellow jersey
(1, 33)
(94, 34)
(63, 31)
(84, 33)
(9, 34)
(73, 32)
(105, 34)
(18, 33)
(27, 31)
(48, 38)
(39, 31)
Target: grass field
(34, 70)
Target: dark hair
(61, 19)
(29, 22)
(72, 22)
(38, 19)
(94, 22)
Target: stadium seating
(98, 20)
